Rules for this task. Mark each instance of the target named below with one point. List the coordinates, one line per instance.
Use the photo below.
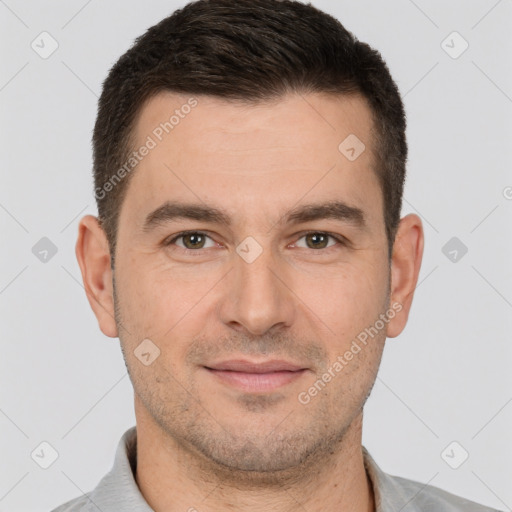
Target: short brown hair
(250, 50)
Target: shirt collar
(118, 489)
(388, 494)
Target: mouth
(254, 377)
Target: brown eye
(191, 240)
(317, 240)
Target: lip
(256, 377)
(242, 365)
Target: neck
(173, 477)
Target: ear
(92, 252)
(405, 268)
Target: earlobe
(405, 268)
(92, 252)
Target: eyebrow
(336, 210)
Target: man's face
(259, 289)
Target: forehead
(252, 156)
(216, 123)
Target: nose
(258, 296)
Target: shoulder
(428, 498)
(80, 504)
(117, 490)
(393, 493)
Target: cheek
(164, 303)
(346, 299)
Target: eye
(195, 240)
(191, 240)
(320, 239)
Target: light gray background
(446, 378)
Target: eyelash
(341, 240)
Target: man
(249, 162)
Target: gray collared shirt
(117, 491)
